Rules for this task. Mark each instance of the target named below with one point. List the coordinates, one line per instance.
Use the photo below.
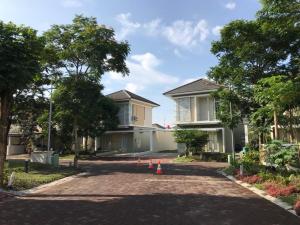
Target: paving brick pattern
(124, 193)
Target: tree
(249, 51)
(84, 50)
(20, 55)
(79, 102)
(278, 94)
(193, 139)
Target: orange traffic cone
(159, 169)
(150, 164)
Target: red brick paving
(124, 193)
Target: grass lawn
(38, 174)
(186, 159)
(67, 157)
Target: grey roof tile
(199, 85)
(124, 95)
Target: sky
(170, 40)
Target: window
(184, 109)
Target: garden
(274, 169)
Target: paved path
(124, 193)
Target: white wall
(164, 140)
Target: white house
(196, 109)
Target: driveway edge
(261, 193)
(43, 186)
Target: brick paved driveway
(122, 193)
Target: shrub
(214, 156)
(194, 140)
(277, 190)
(250, 157)
(231, 170)
(279, 155)
(252, 179)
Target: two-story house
(196, 109)
(135, 131)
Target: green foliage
(279, 155)
(194, 140)
(20, 54)
(227, 107)
(230, 170)
(250, 157)
(251, 51)
(85, 48)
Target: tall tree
(84, 49)
(249, 51)
(20, 54)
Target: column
(151, 140)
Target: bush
(252, 179)
(214, 156)
(279, 155)
(194, 140)
(231, 170)
(250, 157)
(277, 190)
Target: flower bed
(283, 185)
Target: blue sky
(170, 39)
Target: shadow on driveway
(155, 209)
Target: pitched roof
(124, 95)
(199, 85)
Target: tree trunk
(275, 125)
(76, 150)
(5, 107)
(291, 132)
(259, 140)
(86, 143)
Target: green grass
(38, 174)
(67, 157)
(291, 199)
(186, 159)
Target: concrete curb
(261, 193)
(43, 186)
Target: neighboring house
(135, 132)
(196, 109)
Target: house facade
(196, 109)
(135, 132)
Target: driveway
(128, 193)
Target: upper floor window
(184, 109)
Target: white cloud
(143, 73)
(216, 30)
(230, 5)
(185, 33)
(133, 87)
(182, 33)
(72, 3)
(153, 27)
(189, 80)
(128, 26)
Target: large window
(184, 109)
(123, 114)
